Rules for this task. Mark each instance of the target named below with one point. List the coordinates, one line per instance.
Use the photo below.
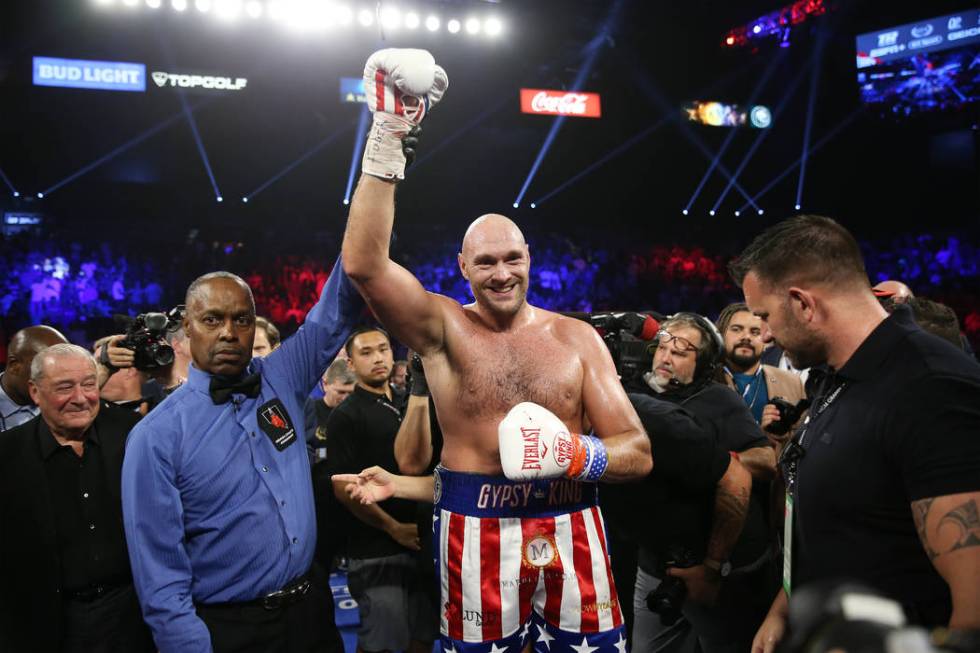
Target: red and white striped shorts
(505, 547)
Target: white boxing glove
(401, 86)
(534, 443)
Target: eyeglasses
(665, 337)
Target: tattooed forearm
(947, 526)
(731, 506)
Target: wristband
(420, 387)
(589, 461)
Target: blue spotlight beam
(295, 162)
(116, 152)
(814, 78)
(362, 126)
(609, 156)
(593, 49)
(770, 69)
(708, 154)
(816, 147)
(6, 180)
(759, 139)
(643, 82)
(189, 115)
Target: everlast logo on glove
(274, 421)
(532, 460)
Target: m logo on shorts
(540, 551)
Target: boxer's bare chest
(492, 372)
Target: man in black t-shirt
(383, 574)
(688, 352)
(884, 474)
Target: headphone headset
(709, 360)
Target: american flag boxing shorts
(520, 560)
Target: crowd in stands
(66, 283)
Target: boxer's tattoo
(731, 506)
(958, 528)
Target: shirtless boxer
(527, 548)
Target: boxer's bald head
(490, 229)
(496, 262)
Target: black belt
(94, 591)
(291, 593)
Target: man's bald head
(23, 347)
(199, 285)
(896, 290)
(491, 229)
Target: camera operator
(689, 351)
(120, 383)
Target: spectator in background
(182, 357)
(337, 383)
(66, 576)
(937, 319)
(123, 384)
(399, 375)
(16, 405)
(266, 337)
(896, 291)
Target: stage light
(391, 18)
(346, 201)
(453, 26)
(711, 212)
(219, 198)
(533, 205)
(493, 27)
(103, 3)
(412, 20)
(179, 5)
(245, 200)
(797, 207)
(761, 211)
(365, 17)
(344, 15)
(756, 29)
(203, 6)
(130, 3)
(472, 26)
(516, 205)
(228, 9)
(154, 4)
(684, 211)
(432, 23)
(40, 196)
(730, 40)
(276, 10)
(16, 194)
(737, 213)
(253, 8)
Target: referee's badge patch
(275, 423)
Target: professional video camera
(845, 616)
(789, 414)
(146, 335)
(629, 337)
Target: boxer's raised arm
(609, 410)
(412, 314)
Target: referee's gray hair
(64, 350)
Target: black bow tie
(222, 387)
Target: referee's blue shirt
(213, 511)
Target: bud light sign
(560, 103)
(79, 73)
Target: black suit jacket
(30, 568)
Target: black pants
(110, 624)
(306, 626)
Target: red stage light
(730, 40)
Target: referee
(217, 497)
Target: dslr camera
(668, 598)
(146, 336)
(789, 414)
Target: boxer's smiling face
(496, 262)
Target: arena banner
(560, 103)
(82, 73)
(198, 82)
(352, 90)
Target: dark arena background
(114, 198)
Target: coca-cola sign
(560, 103)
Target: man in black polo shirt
(383, 573)
(884, 474)
(67, 584)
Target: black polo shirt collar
(49, 444)
(865, 362)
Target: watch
(722, 568)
